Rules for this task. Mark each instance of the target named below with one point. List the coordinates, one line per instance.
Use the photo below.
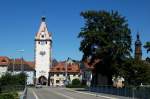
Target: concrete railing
(24, 94)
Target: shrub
(7, 96)
(76, 82)
(18, 79)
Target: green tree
(147, 46)
(136, 73)
(105, 36)
(18, 79)
(7, 79)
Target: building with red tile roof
(16, 66)
(60, 68)
(64, 72)
(20, 65)
(4, 62)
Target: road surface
(63, 93)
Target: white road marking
(60, 94)
(93, 94)
(36, 97)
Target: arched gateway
(43, 80)
(43, 42)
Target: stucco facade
(64, 72)
(43, 43)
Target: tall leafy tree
(105, 36)
(147, 46)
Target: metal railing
(140, 92)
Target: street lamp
(22, 68)
(21, 51)
(66, 74)
(94, 47)
(13, 65)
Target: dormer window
(3, 61)
(69, 68)
(58, 68)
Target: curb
(92, 94)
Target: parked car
(38, 85)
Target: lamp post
(21, 51)
(66, 72)
(22, 68)
(13, 65)
(94, 47)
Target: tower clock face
(42, 53)
(42, 42)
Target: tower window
(57, 81)
(42, 36)
(46, 42)
(39, 42)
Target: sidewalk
(85, 91)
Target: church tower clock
(43, 42)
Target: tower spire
(138, 37)
(43, 30)
(43, 18)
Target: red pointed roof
(43, 29)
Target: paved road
(62, 93)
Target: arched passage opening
(42, 80)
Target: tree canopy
(147, 46)
(136, 72)
(105, 36)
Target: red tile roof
(60, 67)
(31, 64)
(4, 61)
(27, 66)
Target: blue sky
(20, 20)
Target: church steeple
(138, 49)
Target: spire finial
(43, 18)
(138, 37)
